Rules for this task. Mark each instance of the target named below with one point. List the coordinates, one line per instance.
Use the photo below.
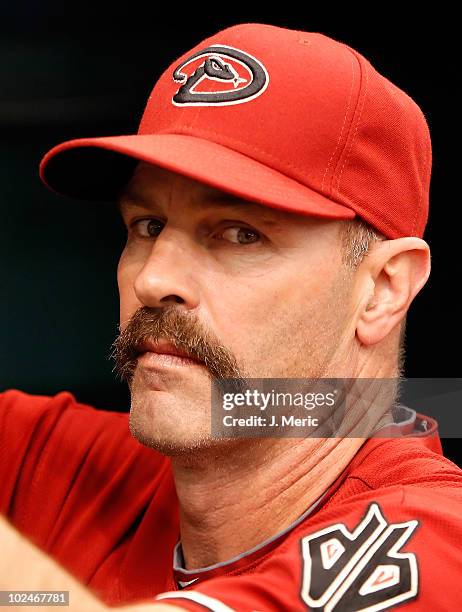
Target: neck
(228, 506)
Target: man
(275, 200)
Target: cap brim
(99, 168)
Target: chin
(169, 424)
(190, 446)
(170, 444)
(173, 417)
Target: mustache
(183, 330)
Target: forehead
(150, 184)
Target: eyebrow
(130, 200)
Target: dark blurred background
(85, 69)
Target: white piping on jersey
(204, 600)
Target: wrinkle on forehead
(148, 179)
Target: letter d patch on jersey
(359, 570)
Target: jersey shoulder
(71, 474)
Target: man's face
(247, 290)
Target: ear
(394, 272)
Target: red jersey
(387, 532)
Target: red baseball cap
(292, 120)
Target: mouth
(149, 350)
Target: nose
(166, 276)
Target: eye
(148, 228)
(240, 235)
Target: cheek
(253, 315)
(278, 315)
(128, 301)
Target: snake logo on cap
(219, 75)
